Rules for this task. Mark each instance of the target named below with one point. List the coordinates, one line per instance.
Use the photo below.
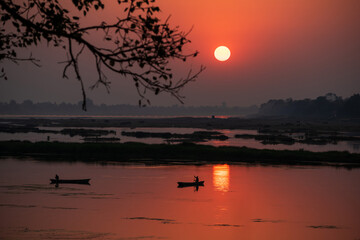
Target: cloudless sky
(279, 49)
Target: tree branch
(139, 45)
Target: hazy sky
(279, 49)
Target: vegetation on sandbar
(197, 136)
(29, 128)
(304, 137)
(177, 153)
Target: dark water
(350, 146)
(143, 202)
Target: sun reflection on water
(221, 177)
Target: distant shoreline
(187, 153)
(208, 123)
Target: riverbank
(186, 153)
(208, 123)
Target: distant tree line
(46, 108)
(328, 106)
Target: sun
(222, 53)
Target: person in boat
(56, 177)
(196, 179)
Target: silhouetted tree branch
(138, 45)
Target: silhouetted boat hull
(189, 184)
(70, 181)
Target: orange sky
(250, 27)
(279, 49)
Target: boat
(70, 181)
(189, 184)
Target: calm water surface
(143, 202)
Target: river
(144, 202)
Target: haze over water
(143, 202)
(293, 70)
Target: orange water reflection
(138, 202)
(221, 177)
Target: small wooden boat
(189, 184)
(70, 181)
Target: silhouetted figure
(57, 181)
(48, 138)
(196, 179)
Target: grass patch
(165, 153)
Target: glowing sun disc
(222, 53)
